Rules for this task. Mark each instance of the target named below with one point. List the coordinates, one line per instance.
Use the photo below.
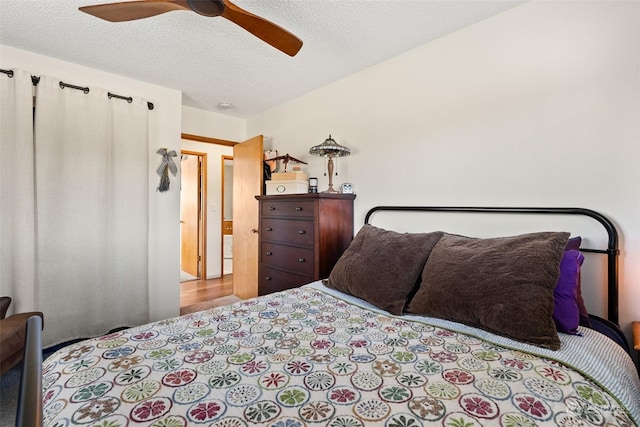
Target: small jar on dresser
(301, 237)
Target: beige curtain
(17, 226)
(91, 169)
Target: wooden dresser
(301, 238)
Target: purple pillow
(566, 313)
(574, 244)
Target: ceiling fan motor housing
(207, 7)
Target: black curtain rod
(35, 80)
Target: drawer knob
(269, 229)
(272, 208)
(301, 260)
(301, 232)
(298, 208)
(269, 253)
(267, 278)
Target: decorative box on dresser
(301, 237)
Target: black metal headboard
(611, 251)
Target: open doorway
(193, 227)
(227, 215)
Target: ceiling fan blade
(265, 30)
(131, 10)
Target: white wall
(164, 131)
(537, 106)
(212, 125)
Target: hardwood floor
(197, 291)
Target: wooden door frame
(202, 214)
(222, 165)
(208, 140)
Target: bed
(397, 336)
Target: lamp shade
(329, 148)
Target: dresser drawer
(299, 260)
(295, 232)
(273, 280)
(292, 209)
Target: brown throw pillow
(503, 285)
(383, 267)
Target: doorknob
(254, 230)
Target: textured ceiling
(212, 60)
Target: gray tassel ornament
(163, 170)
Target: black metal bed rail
(611, 251)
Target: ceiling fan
(267, 31)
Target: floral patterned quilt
(304, 357)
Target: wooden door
(189, 212)
(247, 184)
